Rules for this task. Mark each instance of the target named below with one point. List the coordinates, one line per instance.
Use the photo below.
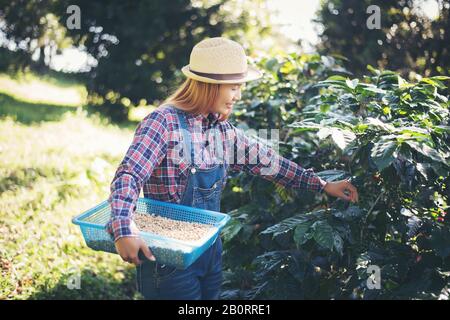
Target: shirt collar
(211, 119)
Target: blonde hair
(195, 97)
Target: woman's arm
(258, 159)
(147, 150)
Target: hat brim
(252, 74)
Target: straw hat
(219, 60)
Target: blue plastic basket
(174, 252)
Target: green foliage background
(340, 111)
(391, 138)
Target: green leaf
(442, 97)
(301, 234)
(268, 262)
(332, 175)
(427, 151)
(342, 138)
(352, 83)
(374, 90)
(232, 229)
(402, 83)
(442, 129)
(440, 169)
(246, 232)
(270, 64)
(383, 153)
(423, 169)
(361, 127)
(331, 83)
(287, 67)
(440, 78)
(351, 213)
(323, 234)
(337, 78)
(379, 124)
(324, 107)
(304, 126)
(433, 83)
(323, 133)
(373, 70)
(414, 131)
(285, 225)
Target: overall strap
(188, 144)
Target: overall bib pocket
(206, 198)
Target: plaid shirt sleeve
(147, 150)
(270, 165)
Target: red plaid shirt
(147, 165)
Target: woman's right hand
(128, 249)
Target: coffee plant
(389, 136)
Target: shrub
(391, 138)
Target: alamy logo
(374, 20)
(374, 280)
(74, 20)
(74, 280)
(252, 149)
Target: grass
(28, 98)
(27, 112)
(56, 162)
(30, 88)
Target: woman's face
(228, 95)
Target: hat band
(221, 76)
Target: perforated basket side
(168, 251)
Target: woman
(217, 69)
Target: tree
(407, 41)
(140, 46)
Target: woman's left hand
(342, 189)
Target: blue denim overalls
(203, 279)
